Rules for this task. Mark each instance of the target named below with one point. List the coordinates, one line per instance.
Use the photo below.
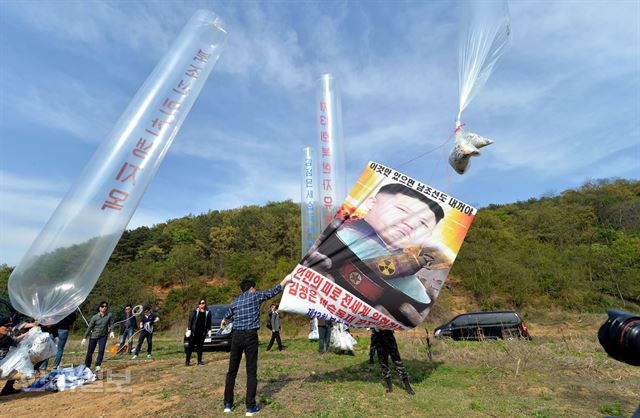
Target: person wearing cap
(100, 325)
(127, 328)
(197, 327)
(146, 331)
(7, 340)
(245, 312)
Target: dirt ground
(564, 370)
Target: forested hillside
(577, 251)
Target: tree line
(577, 251)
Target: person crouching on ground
(100, 325)
(197, 329)
(386, 346)
(146, 331)
(245, 312)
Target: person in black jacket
(274, 325)
(128, 326)
(197, 327)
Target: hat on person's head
(5, 320)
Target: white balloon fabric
(332, 181)
(484, 37)
(309, 220)
(63, 264)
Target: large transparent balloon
(64, 262)
(484, 36)
(309, 221)
(332, 186)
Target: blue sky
(563, 105)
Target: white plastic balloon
(64, 262)
(332, 185)
(485, 36)
(309, 222)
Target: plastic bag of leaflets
(33, 348)
(225, 328)
(64, 379)
(313, 335)
(341, 339)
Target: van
(216, 338)
(481, 325)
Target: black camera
(620, 336)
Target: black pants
(372, 345)
(149, 336)
(243, 341)
(196, 341)
(275, 336)
(386, 346)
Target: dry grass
(562, 373)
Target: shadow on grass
(275, 385)
(419, 370)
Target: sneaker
(135, 356)
(200, 363)
(252, 411)
(98, 368)
(228, 407)
(148, 355)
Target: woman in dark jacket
(197, 328)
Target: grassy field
(563, 373)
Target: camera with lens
(620, 336)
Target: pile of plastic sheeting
(33, 348)
(341, 339)
(313, 335)
(63, 379)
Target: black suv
(215, 337)
(481, 325)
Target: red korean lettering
(133, 170)
(117, 196)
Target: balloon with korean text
(64, 262)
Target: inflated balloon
(332, 185)
(309, 221)
(64, 262)
(485, 36)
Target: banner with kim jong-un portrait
(384, 257)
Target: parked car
(216, 338)
(481, 325)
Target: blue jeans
(324, 338)
(102, 343)
(63, 335)
(127, 335)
